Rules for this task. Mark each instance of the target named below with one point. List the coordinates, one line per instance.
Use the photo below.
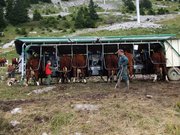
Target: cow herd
(4, 61)
(75, 67)
(68, 67)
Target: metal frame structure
(23, 44)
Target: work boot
(127, 84)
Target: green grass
(59, 120)
(4, 126)
(9, 54)
(172, 6)
(177, 107)
(171, 26)
(17, 91)
(10, 31)
(139, 31)
(173, 129)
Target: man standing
(123, 71)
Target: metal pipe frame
(22, 62)
(72, 54)
(93, 43)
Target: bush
(47, 11)
(36, 16)
(49, 22)
(63, 18)
(72, 30)
(66, 24)
(162, 11)
(21, 31)
(49, 30)
(142, 12)
(31, 29)
(59, 17)
(146, 4)
(151, 12)
(129, 6)
(59, 28)
(177, 9)
(64, 30)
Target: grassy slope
(171, 26)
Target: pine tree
(36, 16)
(79, 19)
(17, 13)
(129, 5)
(2, 3)
(34, 1)
(9, 9)
(86, 17)
(37, 1)
(146, 4)
(47, 1)
(92, 12)
(2, 21)
(88, 21)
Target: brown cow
(2, 62)
(130, 63)
(159, 61)
(65, 68)
(111, 65)
(15, 61)
(34, 70)
(79, 64)
(11, 71)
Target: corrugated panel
(173, 54)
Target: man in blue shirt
(123, 70)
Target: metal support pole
(22, 62)
(72, 51)
(102, 56)
(138, 11)
(57, 64)
(87, 52)
(149, 49)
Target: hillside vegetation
(50, 19)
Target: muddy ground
(147, 108)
